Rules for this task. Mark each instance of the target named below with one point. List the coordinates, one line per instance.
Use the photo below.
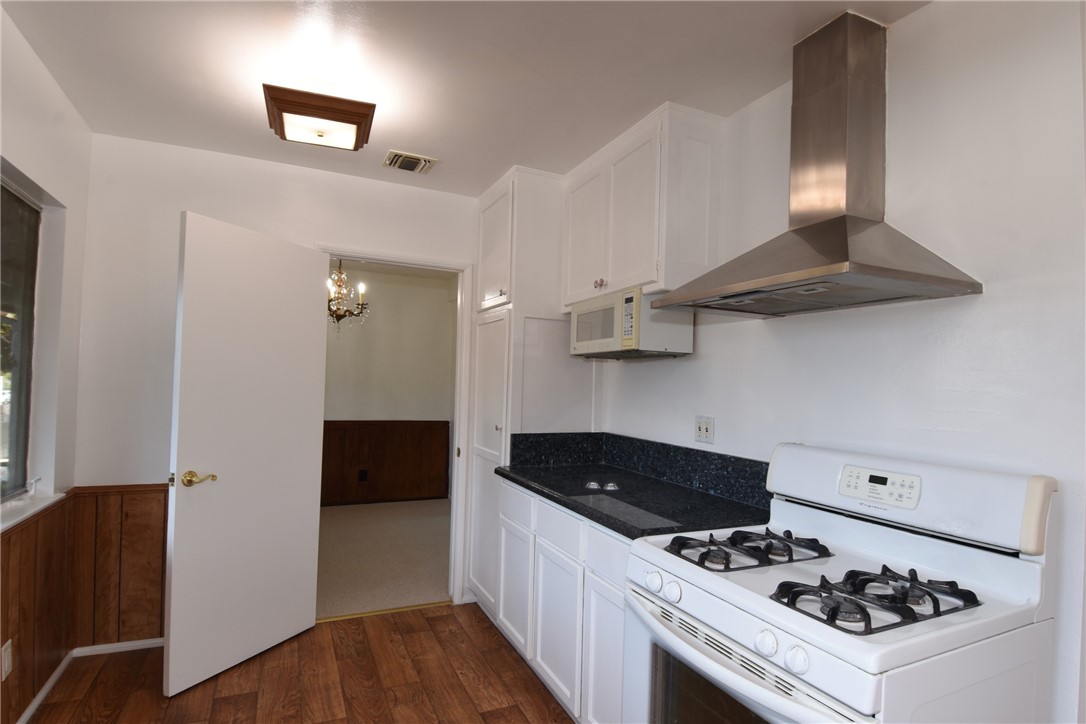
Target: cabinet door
(517, 547)
(495, 246)
(604, 611)
(483, 533)
(490, 383)
(586, 237)
(488, 451)
(559, 588)
(635, 210)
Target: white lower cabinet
(517, 564)
(601, 667)
(560, 601)
(559, 592)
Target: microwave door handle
(732, 678)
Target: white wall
(46, 149)
(401, 364)
(138, 192)
(985, 167)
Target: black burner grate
(848, 603)
(763, 549)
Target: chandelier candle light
(341, 299)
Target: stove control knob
(796, 660)
(654, 581)
(766, 643)
(673, 592)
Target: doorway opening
(389, 465)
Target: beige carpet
(382, 555)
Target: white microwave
(623, 325)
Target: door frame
(458, 483)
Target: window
(19, 223)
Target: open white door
(248, 407)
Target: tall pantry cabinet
(524, 379)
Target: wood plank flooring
(439, 664)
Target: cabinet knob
(498, 428)
(501, 292)
(603, 282)
(595, 283)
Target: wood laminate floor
(439, 664)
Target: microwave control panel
(898, 489)
(629, 319)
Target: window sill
(16, 511)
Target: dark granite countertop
(641, 506)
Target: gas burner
(896, 599)
(716, 559)
(744, 549)
(840, 608)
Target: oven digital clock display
(898, 489)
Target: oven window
(681, 695)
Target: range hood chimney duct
(838, 252)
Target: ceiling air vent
(409, 161)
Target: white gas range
(880, 590)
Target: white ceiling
(482, 86)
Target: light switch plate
(704, 429)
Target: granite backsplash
(726, 476)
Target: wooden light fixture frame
(280, 100)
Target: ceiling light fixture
(323, 120)
(340, 296)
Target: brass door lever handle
(190, 478)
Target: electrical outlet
(7, 658)
(704, 429)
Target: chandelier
(342, 302)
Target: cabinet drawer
(561, 529)
(517, 505)
(606, 555)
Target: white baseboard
(84, 651)
(118, 647)
(37, 700)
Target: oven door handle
(733, 677)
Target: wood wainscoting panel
(52, 598)
(118, 558)
(143, 540)
(88, 569)
(83, 556)
(107, 569)
(18, 551)
(399, 459)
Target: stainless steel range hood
(838, 252)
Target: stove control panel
(898, 489)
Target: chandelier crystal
(343, 301)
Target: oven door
(685, 672)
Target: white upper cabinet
(643, 211)
(495, 245)
(520, 231)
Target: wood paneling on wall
(403, 460)
(87, 570)
(35, 604)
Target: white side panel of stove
(996, 509)
(1001, 679)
